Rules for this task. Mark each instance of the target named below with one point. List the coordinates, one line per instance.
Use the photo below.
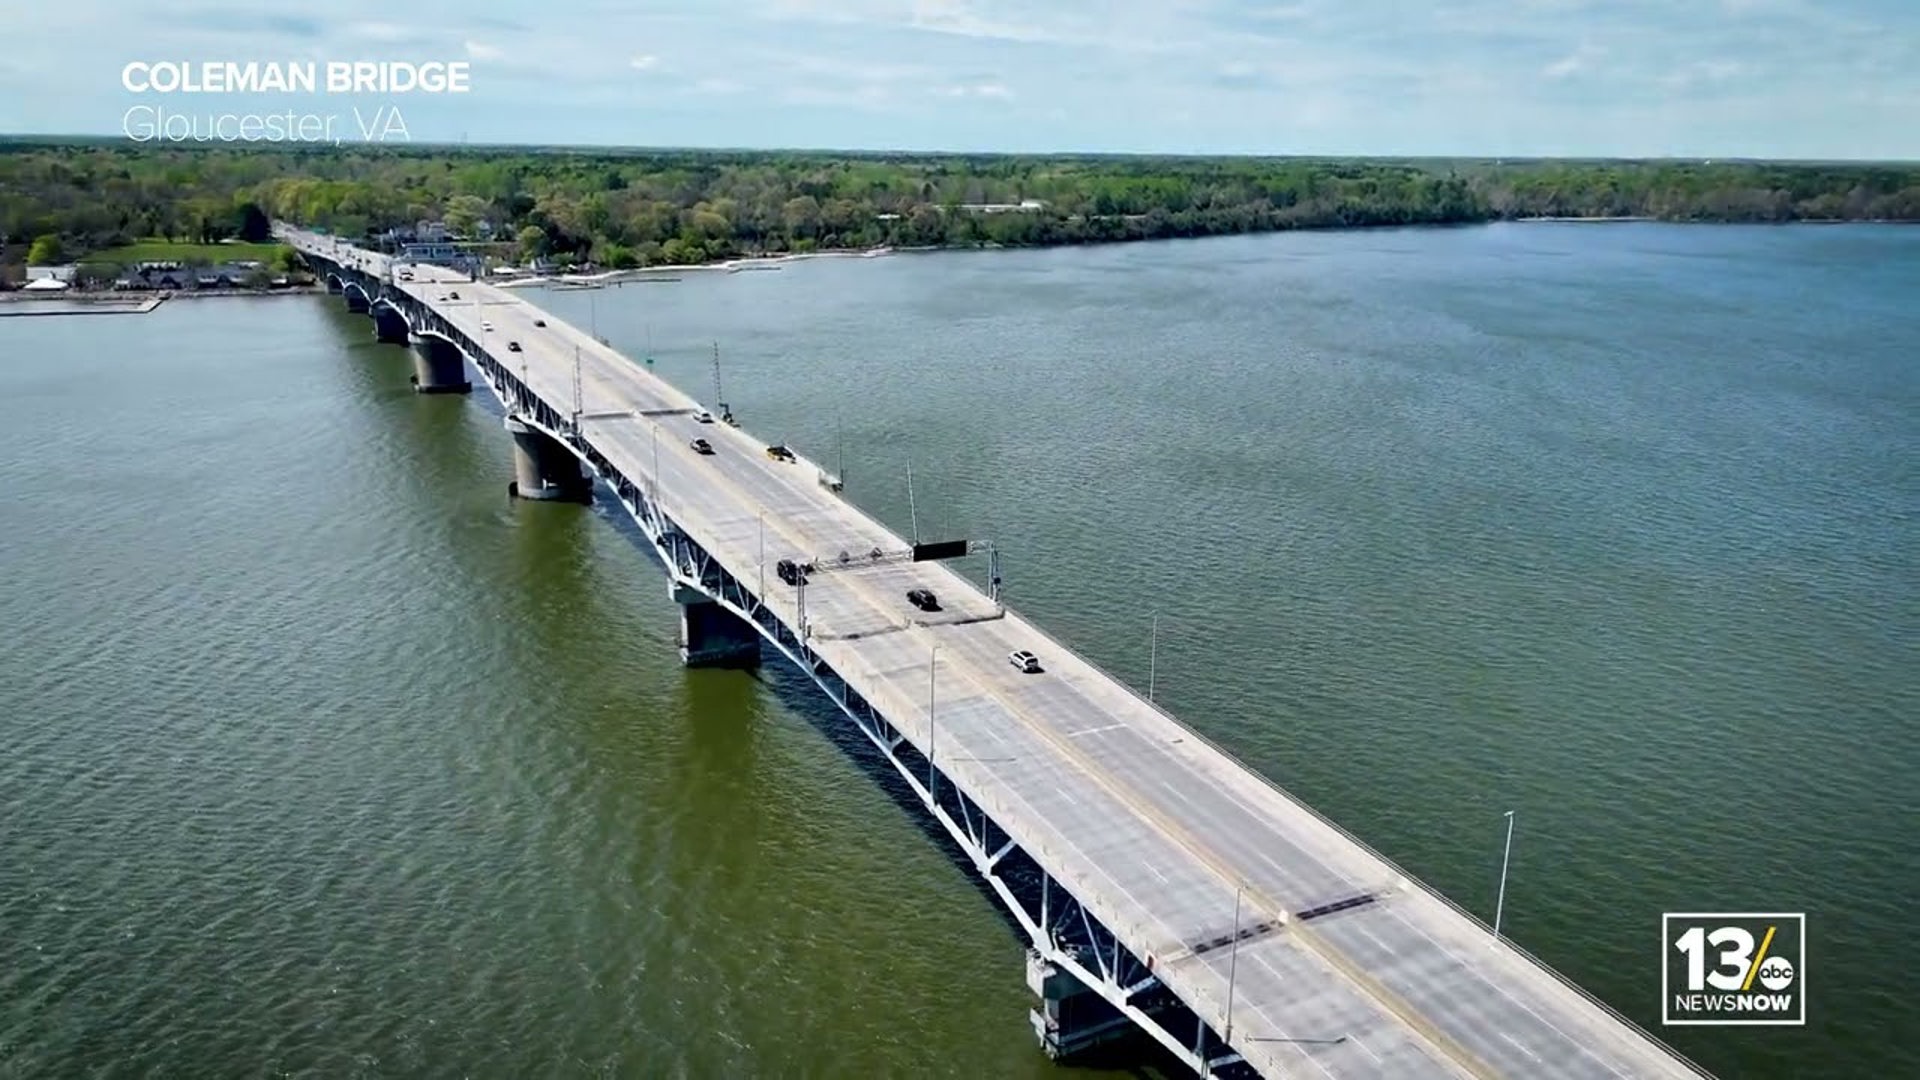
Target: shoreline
(19, 305)
(764, 263)
(737, 265)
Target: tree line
(639, 208)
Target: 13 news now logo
(1727, 969)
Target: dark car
(513, 346)
(702, 446)
(780, 453)
(790, 572)
(539, 322)
(453, 296)
(923, 599)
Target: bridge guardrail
(1367, 848)
(1335, 827)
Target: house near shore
(1024, 206)
(51, 278)
(174, 276)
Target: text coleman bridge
(1164, 887)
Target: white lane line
(1475, 975)
(1094, 730)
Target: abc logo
(1776, 973)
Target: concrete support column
(389, 326)
(1070, 1019)
(712, 636)
(438, 367)
(356, 301)
(543, 469)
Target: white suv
(1025, 661)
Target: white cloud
(1283, 12)
(1704, 72)
(1574, 63)
(991, 90)
(480, 51)
(382, 31)
(1717, 77)
(962, 18)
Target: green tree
(691, 206)
(532, 242)
(46, 249)
(463, 213)
(251, 223)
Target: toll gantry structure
(1166, 891)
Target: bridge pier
(356, 301)
(438, 367)
(543, 469)
(334, 285)
(712, 636)
(389, 326)
(1071, 1019)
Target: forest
(649, 207)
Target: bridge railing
(1329, 823)
(1368, 849)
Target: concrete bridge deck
(1197, 900)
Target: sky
(1809, 79)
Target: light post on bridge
(656, 466)
(1499, 905)
(933, 661)
(1153, 654)
(1233, 963)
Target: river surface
(318, 755)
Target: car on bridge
(485, 325)
(791, 572)
(1025, 661)
(923, 599)
(702, 416)
(539, 322)
(780, 453)
(513, 346)
(702, 446)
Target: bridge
(1166, 891)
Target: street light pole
(933, 659)
(1499, 905)
(913, 512)
(763, 556)
(1233, 964)
(1153, 653)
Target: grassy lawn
(168, 251)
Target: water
(322, 756)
